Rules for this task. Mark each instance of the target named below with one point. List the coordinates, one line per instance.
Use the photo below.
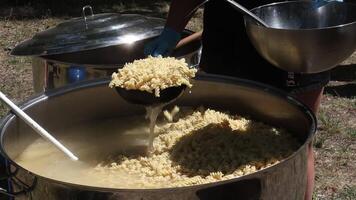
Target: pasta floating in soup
(191, 147)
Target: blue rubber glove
(164, 44)
(320, 3)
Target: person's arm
(179, 14)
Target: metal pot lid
(90, 32)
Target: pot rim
(306, 29)
(200, 76)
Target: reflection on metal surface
(129, 38)
(98, 31)
(76, 74)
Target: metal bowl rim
(306, 29)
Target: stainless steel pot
(94, 46)
(304, 39)
(53, 71)
(95, 101)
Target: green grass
(329, 123)
(13, 61)
(319, 141)
(351, 132)
(3, 109)
(347, 193)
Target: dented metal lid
(90, 32)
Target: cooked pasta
(153, 74)
(201, 147)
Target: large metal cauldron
(302, 38)
(95, 101)
(92, 47)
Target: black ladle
(166, 95)
(146, 98)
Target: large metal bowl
(302, 38)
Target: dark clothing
(227, 50)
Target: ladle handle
(28, 120)
(238, 7)
(243, 10)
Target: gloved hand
(320, 3)
(164, 44)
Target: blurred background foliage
(40, 8)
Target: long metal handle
(41, 131)
(238, 7)
(196, 8)
(243, 10)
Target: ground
(335, 145)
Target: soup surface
(198, 146)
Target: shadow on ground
(344, 73)
(347, 90)
(347, 75)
